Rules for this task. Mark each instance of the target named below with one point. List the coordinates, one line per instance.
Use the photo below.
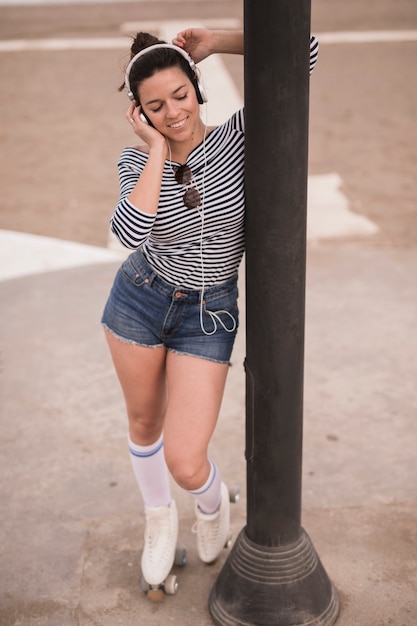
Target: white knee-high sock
(151, 472)
(209, 495)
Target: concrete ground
(71, 518)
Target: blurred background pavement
(71, 524)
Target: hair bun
(143, 40)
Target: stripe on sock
(208, 497)
(151, 472)
(210, 480)
(145, 451)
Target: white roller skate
(159, 552)
(213, 530)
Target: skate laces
(158, 524)
(205, 524)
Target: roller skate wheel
(155, 594)
(171, 585)
(144, 585)
(228, 543)
(180, 557)
(234, 494)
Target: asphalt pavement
(71, 518)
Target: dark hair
(153, 61)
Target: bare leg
(141, 372)
(195, 391)
(142, 375)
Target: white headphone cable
(214, 315)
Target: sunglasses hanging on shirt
(184, 176)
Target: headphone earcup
(200, 90)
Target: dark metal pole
(273, 575)
(276, 100)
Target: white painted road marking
(22, 254)
(329, 215)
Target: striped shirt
(190, 247)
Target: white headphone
(197, 83)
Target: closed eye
(158, 108)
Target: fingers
(179, 40)
(195, 41)
(187, 39)
(135, 121)
(132, 115)
(130, 112)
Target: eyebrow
(173, 94)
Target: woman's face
(169, 100)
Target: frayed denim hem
(198, 356)
(161, 345)
(131, 341)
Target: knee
(188, 470)
(144, 429)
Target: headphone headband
(201, 92)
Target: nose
(172, 108)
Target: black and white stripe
(190, 247)
(314, 52)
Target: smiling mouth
(179, 124)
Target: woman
(172, 317)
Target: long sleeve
(130, 225)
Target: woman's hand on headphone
(196, 41)
(143, 130)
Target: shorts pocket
(135, 275)
(224, 307)
(224, 299)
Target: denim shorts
(145, 310)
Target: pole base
(285, 586)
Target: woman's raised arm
(201, 43)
